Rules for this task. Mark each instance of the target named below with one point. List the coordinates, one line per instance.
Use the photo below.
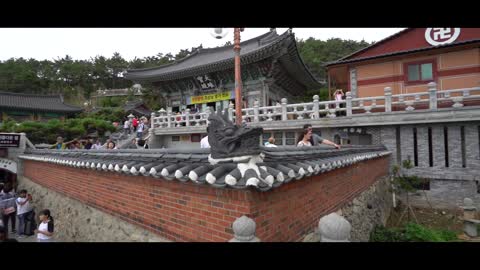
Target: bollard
(244, 230)
(334, 228)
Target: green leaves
(47, 132)
(315, 53)
(404, 183)
(411, 232)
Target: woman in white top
(339, 95)
(304, 139)
(45, 228)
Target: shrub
(47, 132)
(411, 232)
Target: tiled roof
(46, 103)
(280, 165)
(137, 107)
(345, 61)
(215, 59)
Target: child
(45, 229)
(24, 212)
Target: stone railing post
(432, 93)
(187, 117)
(169, 119)
(207, 113)
(256, 104)
(316, 107)
(349, 103)
(334, 228)
(284, 109)
(470, 221)
(230, 111)
(244, 230)
(388, 99)
(152, 120)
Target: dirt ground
(432, 218)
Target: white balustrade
(320, 109)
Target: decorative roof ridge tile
(172, 165)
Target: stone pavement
(27, 239)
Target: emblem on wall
(441, 36)
(205, 82)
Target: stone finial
(467, 202)
(432, 85)
(334, 228)
(284, 101)
(387, 90)
(244, 230)
(256, 103)
(469, 210)
(316, 97)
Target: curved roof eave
(153, 77)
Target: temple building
(30, 107)
(271, 69)
(408, 60)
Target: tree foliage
(78, 79)
(411, 232)
(47, 132)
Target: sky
(83, 43)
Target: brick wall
(189, 212)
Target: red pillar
(238, 77)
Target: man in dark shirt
(317, 140)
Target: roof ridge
(402, 52)
(376, 43)
(280, 38)
(205, 50)
(29, 94)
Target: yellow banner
(210, 98)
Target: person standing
(8, 208)
(135, 124)
(97, 145)
(46, 227)
(317, 140)
(24, 212)
(204, 142)
(126, 127)
(270, 142)
(140, 128)
(304, 139)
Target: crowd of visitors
(130, 126)
(20, 206)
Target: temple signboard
(9, 140)
(210, 98)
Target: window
(278, 138)
(419, 72)
(430, 147)
(265, 137)
(415, 147)
(462, 143)
(175, 138)
(290, 138)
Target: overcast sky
(83, 43)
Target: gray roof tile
(45, 103)
(280, 166)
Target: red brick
(203, 213)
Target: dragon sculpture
(229, 140)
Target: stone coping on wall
(273, 167)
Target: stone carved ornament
(228, 140)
